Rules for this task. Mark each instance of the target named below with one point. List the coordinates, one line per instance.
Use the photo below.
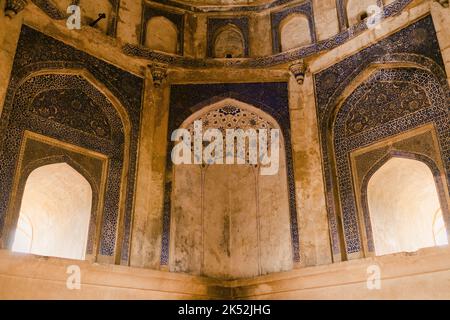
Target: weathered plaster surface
(427, 269)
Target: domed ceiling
(224, 2)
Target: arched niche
(294, 32)
(161, 35)
(72, 107)
(227, 220)
(229, 42)
(404, 207)
(55, 213)
(384, 102)
(358, 10)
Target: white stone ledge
(421, 275)
(34, 277)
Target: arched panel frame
(169, 25)
(282, 25)
(285, 130)
(379, 154)
(63, 155)
(339, 218)
(277, 18)
(227, 27)
(341, 7)
(54, 12)
(33, 71)
(177, 18)
(203, 109)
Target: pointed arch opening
(229, 42)
(227, 220)
(349, 242)
(404, 206)
(55, 213)
(90, 11)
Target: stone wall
(318, 234)
(423, 275)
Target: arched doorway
(55, 213)
(404, 207)
(227, 220)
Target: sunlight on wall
(24, 235)
(55, 213)
(294, 32)
(404, 207)
(439, 231)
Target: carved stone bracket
(13, 7)
(443, 3)
(159, 73)
(298, 69)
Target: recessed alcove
(294, 32)
(161, 35)
(229, 221)
(55, 213)
(229, 42)
(404, 207)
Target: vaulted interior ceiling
(224, 2)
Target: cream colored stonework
(319, 274)
(424, 275)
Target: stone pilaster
(260, 24)
(199, 45)
(312, 214)
(325, 17)
(148, 215)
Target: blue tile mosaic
(271, 97)
(36, 52)
(415, 44)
